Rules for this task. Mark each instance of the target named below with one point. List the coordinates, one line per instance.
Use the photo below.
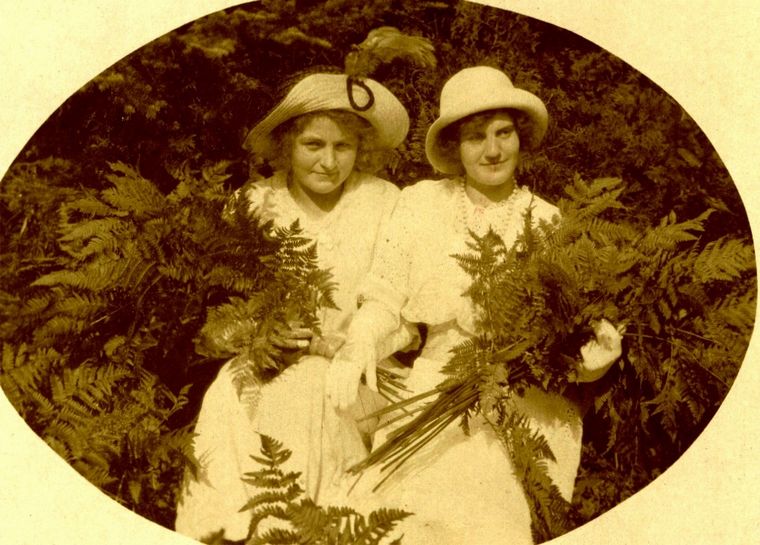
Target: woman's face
(323, 156)
(489, 149)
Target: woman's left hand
(600, 353)
(345, 372)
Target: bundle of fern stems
(456, 398)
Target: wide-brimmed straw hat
(479, 89)
(364, 97)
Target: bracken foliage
(125, 279)
(280, 514)
(94, 347)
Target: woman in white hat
(462, 489)
(321, 139)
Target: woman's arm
(376, 329)
(372, 325)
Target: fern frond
(59, 326)
(80, 304)
(85, 230)
(311, 520)
(274, 451)
(131, 192)
(379, 524)
(724, 260)
(737, 311)
(91, 206)
(275, 536)
(265, 512)
(100, 275)
(270, 497)
(383, 45)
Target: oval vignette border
(707, 60)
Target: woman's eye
(344, 147)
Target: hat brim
(516, 99)
(320, 92)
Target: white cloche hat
(474, 90)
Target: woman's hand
(600, 353)
(327, 344)
(345, 372)
(292, 337)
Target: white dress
(461, 489)
(291, 408)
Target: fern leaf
(738, 311)
(379, 524)
(385, 44)
(275, 536)
(131, 192)
(80, 305)
(36, 305)
(290, 494)
(262, 513)
(310, 520)
(724, 260)
(88, 229)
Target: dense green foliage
(100, 352)
(116, 249)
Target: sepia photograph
(327, 271)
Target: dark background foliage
(180, 107)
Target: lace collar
(503, 217)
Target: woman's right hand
(292, 337)
(600, 353)
(326, 344)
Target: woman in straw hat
(462, 489)
(320, 139)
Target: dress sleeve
(377, 329)
(388, 280)
(404, 337)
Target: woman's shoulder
(255, 189)
(264, 185)
(369, 183)
(442, 185)
(427, 191)
(265, 197)
(540, 208)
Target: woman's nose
(492, 148)
(328, 158)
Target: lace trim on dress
(500, 217)
(271, 200)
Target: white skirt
(462, 489)
(292, 409)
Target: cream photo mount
(705, 57)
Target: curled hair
(449, 137)
(369, 157)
